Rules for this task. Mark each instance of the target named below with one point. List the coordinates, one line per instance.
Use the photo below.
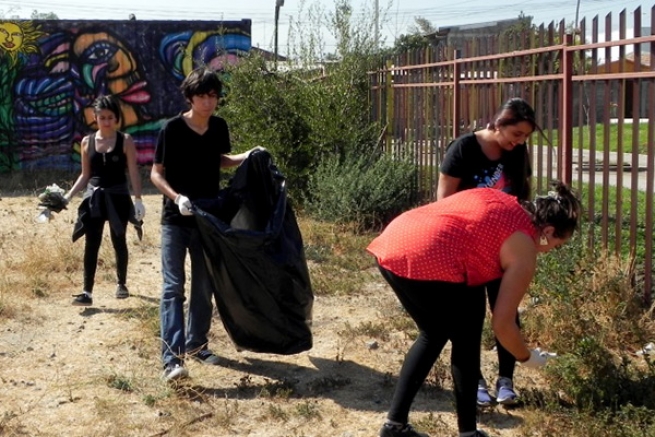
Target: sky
(395, 18)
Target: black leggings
(506, 361)
(442, 311)
(93, 232)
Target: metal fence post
(457, 105)
(566, 119)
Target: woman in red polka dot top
(438, 257)
(495, 157)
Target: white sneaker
(175, 371)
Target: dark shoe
(207, 357)
(174, 372)
(406, 430)
(122, 292)
(82, 300)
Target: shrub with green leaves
(366, 191)
(312, 107)
(589, 313)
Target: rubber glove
(537, 359)
(184, 204)
(139, 210)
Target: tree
(420, 36)
(36, 15)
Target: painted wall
(52, 70)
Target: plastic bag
(50, 200)
(255, 255)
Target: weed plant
(584, 307)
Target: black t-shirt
(191, 162)
(465, 160)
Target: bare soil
(96, 371)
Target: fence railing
(594, 100)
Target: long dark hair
(517, 167)
(560, 209)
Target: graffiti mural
(51, 71)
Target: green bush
(299, 116)
(313, 106)
(588, 311)
(366, 191)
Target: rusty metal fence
(593, 90)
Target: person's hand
(537, 359)
(67, 197)
(139, 210)
(184, 204)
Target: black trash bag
(255, 255)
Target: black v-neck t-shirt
(191, 161)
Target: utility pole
(577, 14)
(377, 24)
(278, 5)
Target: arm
(518, 257)
(158, 178)
(235, 160)
(84, 177)
(452, 169)
(447, 185)
(132, 167)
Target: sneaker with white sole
(484, 398)
(122, 292)
(206, 356)
(406, 430)
(505, 394)
(174, 372)
(82, 300)
(480, 433)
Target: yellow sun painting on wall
(18, 37)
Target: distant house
(268, 55)
(458, 36)
(626, 65)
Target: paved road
(642, 174)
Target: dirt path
(71, 371)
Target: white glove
(139, 210)
(537, 359)
(67, 197)
(184, 204)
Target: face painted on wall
(18, 38)
(11, 37)
(106, 67)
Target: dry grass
(96, 371)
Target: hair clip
(551, 195)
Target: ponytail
(560, 208)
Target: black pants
(506, 361)
(442, 311)
(93, 232)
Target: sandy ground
(71, 371)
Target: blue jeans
(175, 241)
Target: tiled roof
(645, 58)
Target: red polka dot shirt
(456, 239)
